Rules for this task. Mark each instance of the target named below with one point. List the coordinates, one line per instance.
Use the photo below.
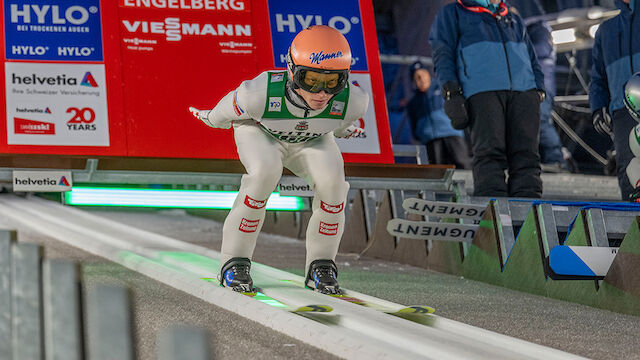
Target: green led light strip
(169, 198)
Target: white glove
(351, 131)
(202, 115)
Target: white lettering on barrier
(431, 230)
(235, 5)
(340, 23)
(174, 29)
(76, 15)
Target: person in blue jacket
(430, 125)
(492, 84)
(616, 56)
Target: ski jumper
(271, 133)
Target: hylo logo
(339, 23)
(76, 15)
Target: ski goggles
(317, 80)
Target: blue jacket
(427, 117)
(615, 51)
(482, 51)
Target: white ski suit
(271, 133)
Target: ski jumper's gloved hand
(602, 121)
(351, 131)
(455, 105)
(204, 116)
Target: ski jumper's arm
(357, 107)
(244, 103)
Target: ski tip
(416, 310)
(314, 308)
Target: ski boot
(235, 275)
(323, 277)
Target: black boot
(323, 277)
(235, 275)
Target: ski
(400, 310)
(424, 230)
(259, 296)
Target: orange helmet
(321, 49)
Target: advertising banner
(116, 78)
(56, 104)
(42, 180)
(53, 30)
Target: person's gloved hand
(602, 121)
(455, 105)
(202, 115)
(542, 94)
(351, 131)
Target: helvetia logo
(88, 80)
(33, 127)
(63, 181)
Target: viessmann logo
(174, 29)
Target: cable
(567, 129)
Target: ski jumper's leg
(320, 162)
(261, 156)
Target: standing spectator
(431, 126)
(550, 145)
(551, 155)
(494, 85)
(616, 56)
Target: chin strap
(295, 98)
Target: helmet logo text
(317, 58)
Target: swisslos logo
(253, 203)
(33, 127)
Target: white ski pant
(318, 161)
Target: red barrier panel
(116, 78)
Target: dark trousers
(451, 150)
(622, 124)
(505, 135)
(550, 145)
